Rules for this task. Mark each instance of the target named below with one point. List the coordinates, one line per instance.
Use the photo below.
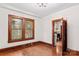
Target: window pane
(16, 24)
(16, 29)
(16, 34)
(29, 29)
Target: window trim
(10, 17)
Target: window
(29, 29)
(20, 28)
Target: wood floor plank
(34, 50)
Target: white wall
(72, 16)
(43, 27)
(4, 28)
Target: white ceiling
(39, 11)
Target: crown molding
(17, 10)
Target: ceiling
(35, 10)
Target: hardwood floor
(35, 50)
(39, 49)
